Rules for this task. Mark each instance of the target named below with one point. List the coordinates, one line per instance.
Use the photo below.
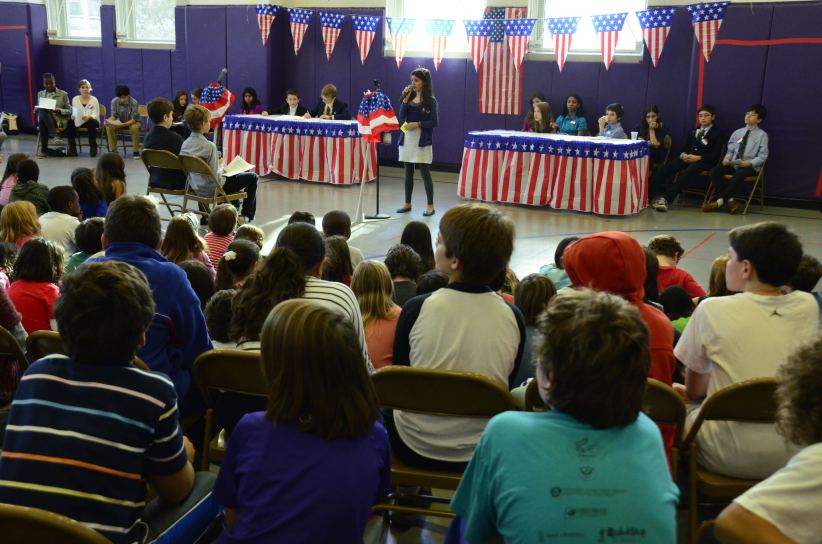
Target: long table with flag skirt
(597, 175)
(310, 149)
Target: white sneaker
(660, 204)
(58, 141)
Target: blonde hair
(181, 241)
(85, 82)
(329, 90)
(373, 287)
(18, 219)
(196, 116)
(716, 281)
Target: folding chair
(435, 392)
(196, 165)
(101, 131)
(663, 405)
(22, 525)
(751, 401)
(225, 370)
(42, 343)
(707, 175)
(124, 136)
(163, 159)
(758, 183)
(59, 132)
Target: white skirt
(410, 150)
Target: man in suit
(700, 153)
(160, 111)
(329, 107)
(291, 106)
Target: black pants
(725, 188)
(47, 124)
(409, 456)
(663, 180)
(247, 182)
(92, 125)
(425, 170)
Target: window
(73, 20)
(145, 22)
(419, 42)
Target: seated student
(177, 334)
(111, 176)
(92, 200)
(749, 335)
(338, 223)
(236, 265)
(11, 369)
(28, 188)
(337, 264)
(556, 272)
(198, 120)
(807, 274)
(252, 233)
(291, 106)
(286, 469)
(572, 121)
(88, 431)
(679, 306)
(474, 245)
(609, 124)
(178, 125)
(89, 114)
(87, 237)
(591, 371)
(123, 115)
(218, 314)
(372, 286)
(10, 176)
(533, 294)
(785, 507)
(18, 223)
(201, 280)
(716, 279)
(652, 130)
(182, 243)
(746, 154)
(417, 235)
(37, 273)
(700, 152)
(307, 243)
(431, 281)
(528, 120)
(251, 104)
(161, 137)
(651, 285)
(196, 94)
(59, 224)
(221, 223)
(329, 107)
(668, 252)
(49, 121)
(404, 265)
(543, 119)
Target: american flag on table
(364, 29)
(266, 13)
(706, 19)
(518, 32)
(439, 29)
(330, 24)
(656, 24)
(500, 83)
(217, 99)
(479, 35)
(299, 25)
(608, 28)
(562, 29)
(399, 30)
(376, 116)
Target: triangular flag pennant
(706, 19)
(299, 25)
(439, 29)
(330, 25)
(518, 32)
(266, 13)
(479, 36)
(656, 24)
(364, 29)
(608, 28)
(399, 30)
(562, 29)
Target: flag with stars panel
(562, 29)
(330, 25)
(518, 32)
(299, 25)
(376, 116)
(364, 29)
(500, 83)
(439, 29)
(217, 99)
(479, 35)
(656, 24)
(706, 19)
(400, 29)
(266, 13)
(608, 28)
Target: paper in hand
(47, 103)
(237, 166)
(404, 128)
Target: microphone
(222, 76)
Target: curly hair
(666, 245)
(799, 395)
(402, 260)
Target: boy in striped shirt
(86, 433)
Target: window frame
(126, 28)
(57, 15)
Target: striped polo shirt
(216, 247)
(82, 440)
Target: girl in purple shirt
(251, 104)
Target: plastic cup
(634, 135)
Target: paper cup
(634, 135)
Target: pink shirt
(5, 190)
(379, 338)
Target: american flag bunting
(399, 30)
(562, 29)
(608, 28)
(376, 116)
(479, 35)
(518, 32)
(439, 29)
(266, 13)
(364, 29)
(706, 19)
(217, 99)
(330, 25)
(500, 83)
(656, 24)
(299, 25)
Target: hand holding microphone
(407, 93)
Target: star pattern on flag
(439, 29)
(518, 32)
(330, 26)
(563, 30)
(479, 36)
(706, 18)
(608, 28)
(544, 144)
(375, 117)
(399, 29)
(655, 24)
(365, 27)
(266, 13)
(299, 18)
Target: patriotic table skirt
(313, 150)
(597, 175)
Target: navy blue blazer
(285, 108)
(339, 110)
(412, 113)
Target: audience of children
(337, 265)
(651, 285)
(404, 265)
(556, 272)
(716, 279)
(807, 274)
(417, 235)
(18, 223)
(27, 187)
(92, 200)
(59, 224)
(222, 221)
(182, 243)
(201, 279)
(10, 176)
(252, 233)
(431, 281)
(11, 368)
(669, 252)
(218, 314)
(35, 283)
(238, 263)
(532, 295)
(87, 236)
(111, 176)
(338, 223)
(8, 253)
(678, 305)
(373, 288)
